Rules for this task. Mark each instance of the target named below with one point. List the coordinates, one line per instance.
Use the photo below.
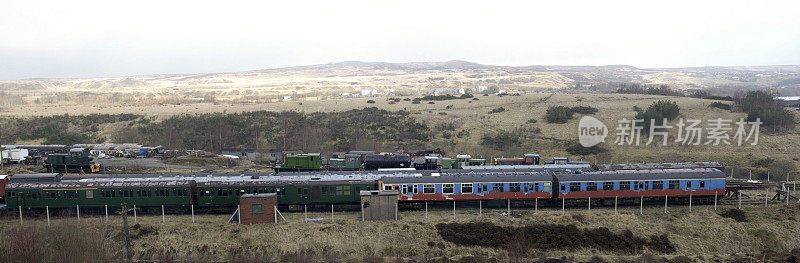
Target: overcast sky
(62, 39)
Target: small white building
(287, 98)
(368, 92)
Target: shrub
(761, 105)
(577, 149)
(658, 111)
(532, 121)
(584, 109)
(558, 114)
(502, 140)
(370, 101)
(497, 110)
(735, 214)
(549, 237)
(720, 105)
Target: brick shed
(257, 208)
(379, 205)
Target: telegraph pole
(124, 213)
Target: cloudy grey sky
(61, 39)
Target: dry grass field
(772, 233)
(472, 119)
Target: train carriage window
(219, 192)
(358, 189)
(230, 192)
(513, 187)
(466, 188)
(689, 184)
(324, 190)
(529, 187)
(608, 186)
(625, 185)
(89, 194)
(346, 190)
(484, 188)
(591, 186)
(574, 186)
(299, 191)
(448, 189)
(673, 184)
(497, 187)
(658, 185)
(280, 191)
(702, 184)
(174, 192)
(642, 186)
(428, 189)
(563, 187)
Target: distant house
(287, 98)
(790, 101)
(369, 92)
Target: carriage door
(315, 193)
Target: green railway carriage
(289, 193)
(301, 162)
(351, 162)
(180, 194)
(99, 194)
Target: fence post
(590, 203)
(106, 213)
(305, 213)
(332, 213)
(615, 205)
(690, 200)
(766, 197)
(666, 197)
(454, 210)
(740, 200)
(396, 207)
(536, 205)
(480, 207)
(715, 200)
(508, 210)
(163, 220)
(641, 205)
(426, 209)
(135, 219)
(48, 215)
(192, 213)
(20, 214)
(563, 209)
(275, 213)
(78, 209)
